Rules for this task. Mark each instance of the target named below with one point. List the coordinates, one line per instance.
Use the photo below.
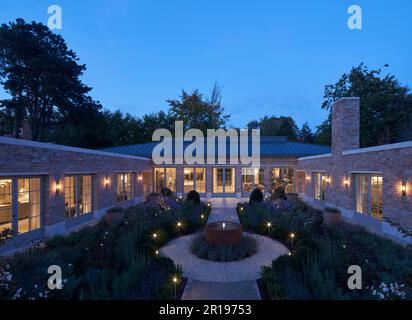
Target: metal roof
(270, 146)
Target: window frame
(124, 195)
(78, 195)
(369, 202)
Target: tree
(385, 108)
(40, 73)
(273, 126)
(197, 111)
(305, 133)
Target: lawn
(320, 256)
(102, 262)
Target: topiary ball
(193, 196)
(166, 192)
(256, 196)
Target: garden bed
(100, 262)
(320, 255)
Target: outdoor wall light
(106, 182)
(140, 178)
(308, 178)
(346, 182)
(58, 186)
(327, 179)
(404, 186)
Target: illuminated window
(6, 200)
(368, 195)
(223, 180)
(252, 179)
(77, 195)
(282, 177)
(320, 185)
(85, 194)
(165, 177)
(194, 179)
(28, 204)
(124, 187)
(70, 196)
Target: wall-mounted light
(327, 179)
(404, 186)
(107, 182)
(140, 178)
(346, 182)
(308, 177)
(58, 186)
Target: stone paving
(210, 280)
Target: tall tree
(40, 73)
(385, 105)
(198, 111)
(305, 133)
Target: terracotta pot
(331, 217)
(114, 217)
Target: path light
(154, 235)
(241, 209)
(292, 237)
(157, 252)
(175, 281)
(179, 225)
(202, 216)
(224, 225)
(269, 226)
(208, 204)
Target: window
(223, 180)
(28, 204)
(6, 200)
(124, 187)
(77, 195)
(252, 178)
(368, 195)
(165, 177)
(282, 177)
(320, 185)
(27, 210)
(85, 194)
(200, 178)
(194, 179)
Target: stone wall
(392, 162)
(52, 163)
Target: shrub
(223, 253)
(271, 280)
(256, 196)
(166, 192)
(194, 197)
(279, 193)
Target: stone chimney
(345, 124)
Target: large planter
(223, 233)
(331, 217)
(114, 216)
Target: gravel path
(242, 290)
(209, 280)
(210, 271)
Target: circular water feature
(223, 233)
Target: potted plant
(331, 216)
(114, 216)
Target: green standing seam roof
(269, 147)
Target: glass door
(224, 181)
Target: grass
(321, 256)
(224, 253)
(100, 262)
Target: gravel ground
(195, 268)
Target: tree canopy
(275, 126)
(385, 105)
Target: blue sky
(271, 57)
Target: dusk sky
(271, 57)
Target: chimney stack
(345, 124)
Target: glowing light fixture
(404, 186)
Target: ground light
(154, 235)
(175, 281)
(269, 226)
(292, 236)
